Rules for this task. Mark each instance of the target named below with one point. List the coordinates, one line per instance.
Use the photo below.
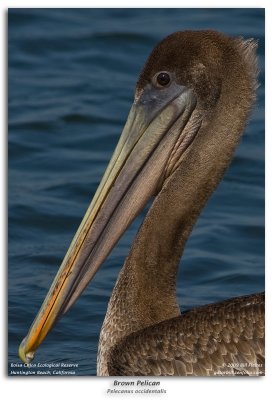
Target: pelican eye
(162, 79)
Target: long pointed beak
(131, 178)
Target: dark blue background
(71, 82)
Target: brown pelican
(191, 104)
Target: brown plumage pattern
(214, 340)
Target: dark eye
(163, 79)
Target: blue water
(71, 82)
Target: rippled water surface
(71, 82)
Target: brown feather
(226, 358)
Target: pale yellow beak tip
(25, 357)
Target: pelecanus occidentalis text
(191, 104)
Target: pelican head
(180, 92)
